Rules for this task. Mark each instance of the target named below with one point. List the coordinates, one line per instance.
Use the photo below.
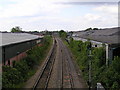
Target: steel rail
(48, 78)
(71, 78)
(45, 66)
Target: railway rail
(44, 76)
(58, 71)
(67, 79)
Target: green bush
(112, 74)
(62, 34)
(11, 77)
(23, 68)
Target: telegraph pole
(90, 79)
(90, 68)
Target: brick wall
(18, 57)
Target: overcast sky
(58, 14)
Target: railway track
(67, 79)
(76, 82)
(58, 71)
(44, 76)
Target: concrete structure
(108, 37)
(15, 45)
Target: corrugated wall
(15, 49)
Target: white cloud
(29, 8)
(111, 9)
(46, 14)
(92, 17)
(92, 0)
(109, 14)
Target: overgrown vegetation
(14, 77)
(108, 76)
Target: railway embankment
(20, 73)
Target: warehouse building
(15, 45)
(108, 37)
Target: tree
(16, 29)
(95, 28)
(88, 29)
(62, 34)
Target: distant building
(15, 45)
(109, 37)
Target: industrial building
(15, 45)
(109, 37)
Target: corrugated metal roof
(105, 32)
(12, 38)
(109, 35)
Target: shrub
(10, 77)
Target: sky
(51, 15)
